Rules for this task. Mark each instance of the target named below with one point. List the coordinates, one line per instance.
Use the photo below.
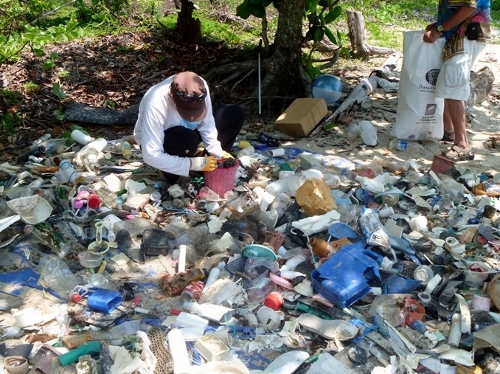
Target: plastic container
(344, 278)
(406, 146)
(221, 180)
(57, 276)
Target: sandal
(449, 136)
(457, 153)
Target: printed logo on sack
(431, 76)
(430, 110)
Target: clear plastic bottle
(368, 133)
(56, 275)
(126, 150)
(406, 146)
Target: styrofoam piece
(191, 320)
(329, 329)
(315, 224)
(32, 209)
(327, 364)
(6, 222)
(212, 348)
(286, 363)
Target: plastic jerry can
(343, 278)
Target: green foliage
(58, 114)
(30, 87)
(56, 89)
(9, 122)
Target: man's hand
(227, 155)
(207, 163)
(431, 33)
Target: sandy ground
(484, 123)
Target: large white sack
(420, 114)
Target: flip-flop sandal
(449, 136)
(457, 153)
(328, 329)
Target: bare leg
(448, 123)
(455, 110)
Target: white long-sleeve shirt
(157, 113)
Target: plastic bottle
(390, 199)
(368, 133)
(57, 276)
(81, 138)
(212, 277)
(406, 146)
(66, 172)
(172, 285)
(126, 149)
(321, 248)
(52, 146)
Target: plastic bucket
(221, 180)
(441, 164)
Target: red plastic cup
(274, 300)
(94, 201)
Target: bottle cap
(274, 300)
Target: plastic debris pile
(283, 262)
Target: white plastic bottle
(81, 138)
(406, 146)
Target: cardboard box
(301, 117)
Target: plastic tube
(178, 350)
(181, 267)
(455, 331)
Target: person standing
(465, 25)
(175, 115)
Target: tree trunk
(188, 27)
(357, 35)
(284, 76)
